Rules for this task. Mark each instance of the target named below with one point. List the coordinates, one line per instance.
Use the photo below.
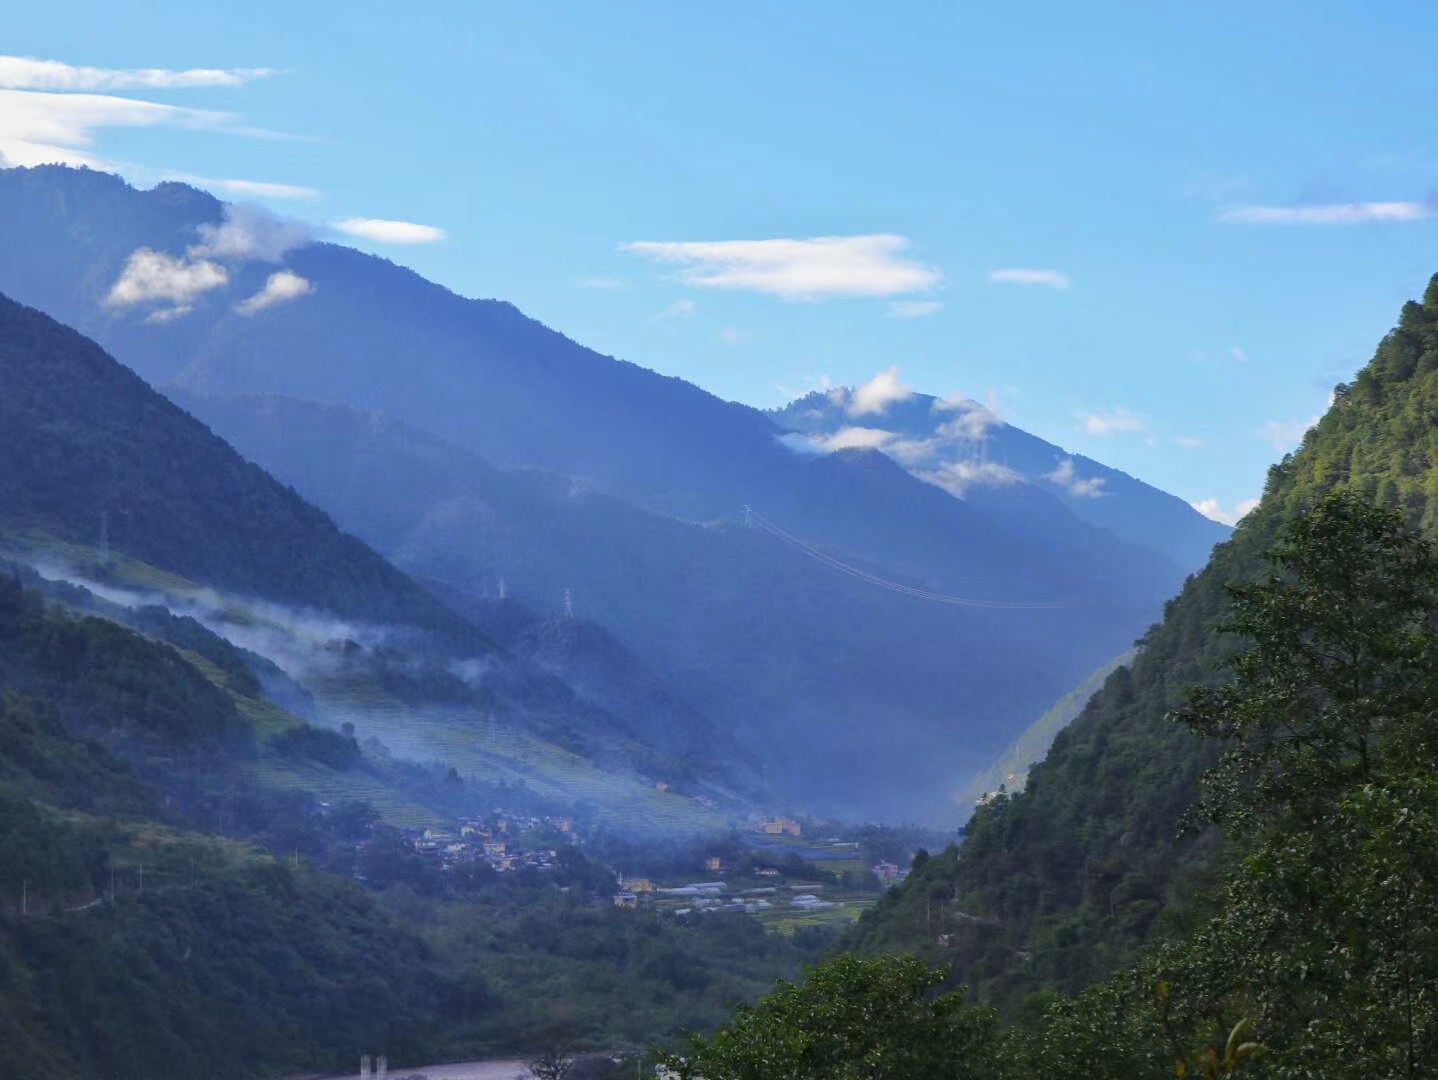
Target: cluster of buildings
(781, 826)
(500, 840)
(705, 897)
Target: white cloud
(856, 438)
(1238, 353)
(914, 309)
(281, 287)
(250, 189)
(29, 73)
(154, 277)
(849, 438)
(819, 268)
(1285, 435)
(1054, 279)
(1066, 476)
(972, 421)
(44, 129)
(734, 336)
(876, 395)
(1332, 214)
(381, 231)
(168, 314)
(800, 443)
(1113, 421)
(247, 233)
(49, 116)
(957, 477)
(251, 232)
(1214, 511)
(680, 309)
(1187, 441)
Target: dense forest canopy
(1072, 879)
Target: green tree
(852, 1019)
(1326, 935)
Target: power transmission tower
(503, 588)
(104, 538)
(568, 604)
(748, 516)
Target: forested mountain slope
(1063, 884)
(129, 946)
(88, 448)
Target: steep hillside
(965, 448)
(89, 449)
(1063, 884)
(195, 528)
(130, 946)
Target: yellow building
(781, 827)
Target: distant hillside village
(506, 841)
(496, 840)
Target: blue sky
(1152, 234)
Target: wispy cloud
(50, 113)
(152, 277)
(876, 395)
(1187, 441)
(249, 189)
(734, 336)
(173, 283)
(971, 420)
(1066, 476)
(1115, 421)
(43, 128)
(1053, 279)
(1364, 213)
(1214, 510)
(251, 232)
(914, 309)
(281, 287)
(994, 403)
(30, 73)
(959, 477)
(856, 438)
(820, 268)
(382, 231)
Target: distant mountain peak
(962, 446)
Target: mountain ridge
(816, 670)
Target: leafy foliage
(1074, 878)
(851, 1019)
